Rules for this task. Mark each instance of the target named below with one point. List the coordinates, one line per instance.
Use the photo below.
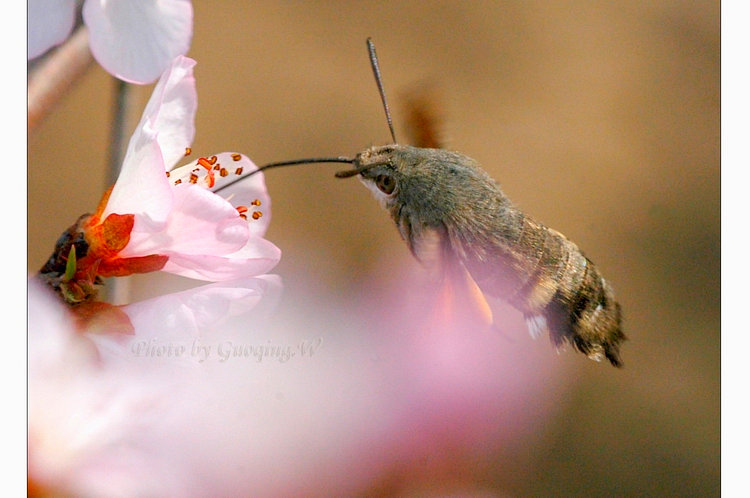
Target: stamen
(236, 157)
(188, 151)
(167, 174)
(210, 180)
(257, 214)
(205, 163)
(178, 181)
(213, 160)
(241, 209)
(256, 202)
(193, 178)
(238, 171)
(223, 172)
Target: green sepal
(70, 266)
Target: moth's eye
(385, 183)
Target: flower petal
(142, 187)
(135, 40)
(200, 222)
(256, 258)
(250, 192)
(232, 168)
(171, 110)
(49, 24)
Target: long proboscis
(294, 162)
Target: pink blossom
(134, 40)
(154, 218)
(90, 424)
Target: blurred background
(599, 119)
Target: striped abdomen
(545, 276)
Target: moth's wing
(460, 301)
(462, 292)
(494, 274)
(423, 117)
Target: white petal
(256, 258)
(49, 23)
(136, 40)
(250, 192)
(166, 128)
(242, 190)
(171, 109)
(142, 187)
(200, 222)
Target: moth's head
(389, 171)
(430, 182)
(379, 171)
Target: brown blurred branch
(54, 76)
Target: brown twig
(54, 76)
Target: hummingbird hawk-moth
(455, 217)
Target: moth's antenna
(379, 81)
(340, 174)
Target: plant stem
(56, 74)
(117, 289)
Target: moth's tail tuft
(592, 326)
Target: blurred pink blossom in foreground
(315, 399)
(134, 40)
